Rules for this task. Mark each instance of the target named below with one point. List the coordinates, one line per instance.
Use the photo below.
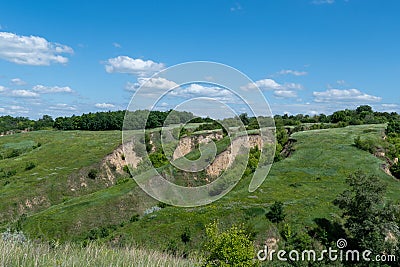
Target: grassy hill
(306, 182)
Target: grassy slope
(60, 155)
(307, 182)
(32, 254)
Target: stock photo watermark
(340, 253)
(206, 89)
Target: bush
(366, 145)
(29, 166)
(135, 217)
(162, 205)
(276, 213)
(395, 170)
(93, 174)
(185, 236)
(230, 248)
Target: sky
(306, 56)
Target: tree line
(113, 120)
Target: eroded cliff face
(109, 168)
(188, 143)
(225, 159)
(116, 159)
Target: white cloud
(17, 108)
(117, 45)
(17, 81)
(104, 105)
(51, 89)
(198, 90)
(293, 72)
(23, 93)
(164, 104)
(2, 88)
(31, 50)
(341, 82)
(321, 2)
(139, 67)
(270, 84)
(150, 83)
(285, 94)
(2, 110)
(347, 95)
(390, 105)
(63, 107)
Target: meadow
(120, 215)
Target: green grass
(39, 254)
(60, 155)
(307, 182)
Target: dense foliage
(9, 123)
(370, 221)
(276, 213)
(232, 247)
(361, 115)
(113, 120)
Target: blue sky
(307, 56)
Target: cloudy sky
(306, 56)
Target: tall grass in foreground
(33, 254)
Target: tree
(369, 218)
(232, 247)
(276, 213)
(364, 108)
(244, 118)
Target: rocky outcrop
(188, 143)
(225, 159)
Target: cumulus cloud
(151, 83)
(346, 95)
(293, 72)
(270, 84)
(198, 90)
(139, 67)
(285, 94)
(18, 81)
(63, 107)
(51, 89)
(23, 93)
(2, 88)
(104, 105)
(31, 50)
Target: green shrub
(162, 205)
(92, 174)
(366, 145)
(185, 236)
(232, 247)
(122, 181)
(29, 166)
(276, 213)
(395, 170)
(158, 159)
(135, 217)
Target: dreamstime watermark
(205, 89)
(340, 253)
